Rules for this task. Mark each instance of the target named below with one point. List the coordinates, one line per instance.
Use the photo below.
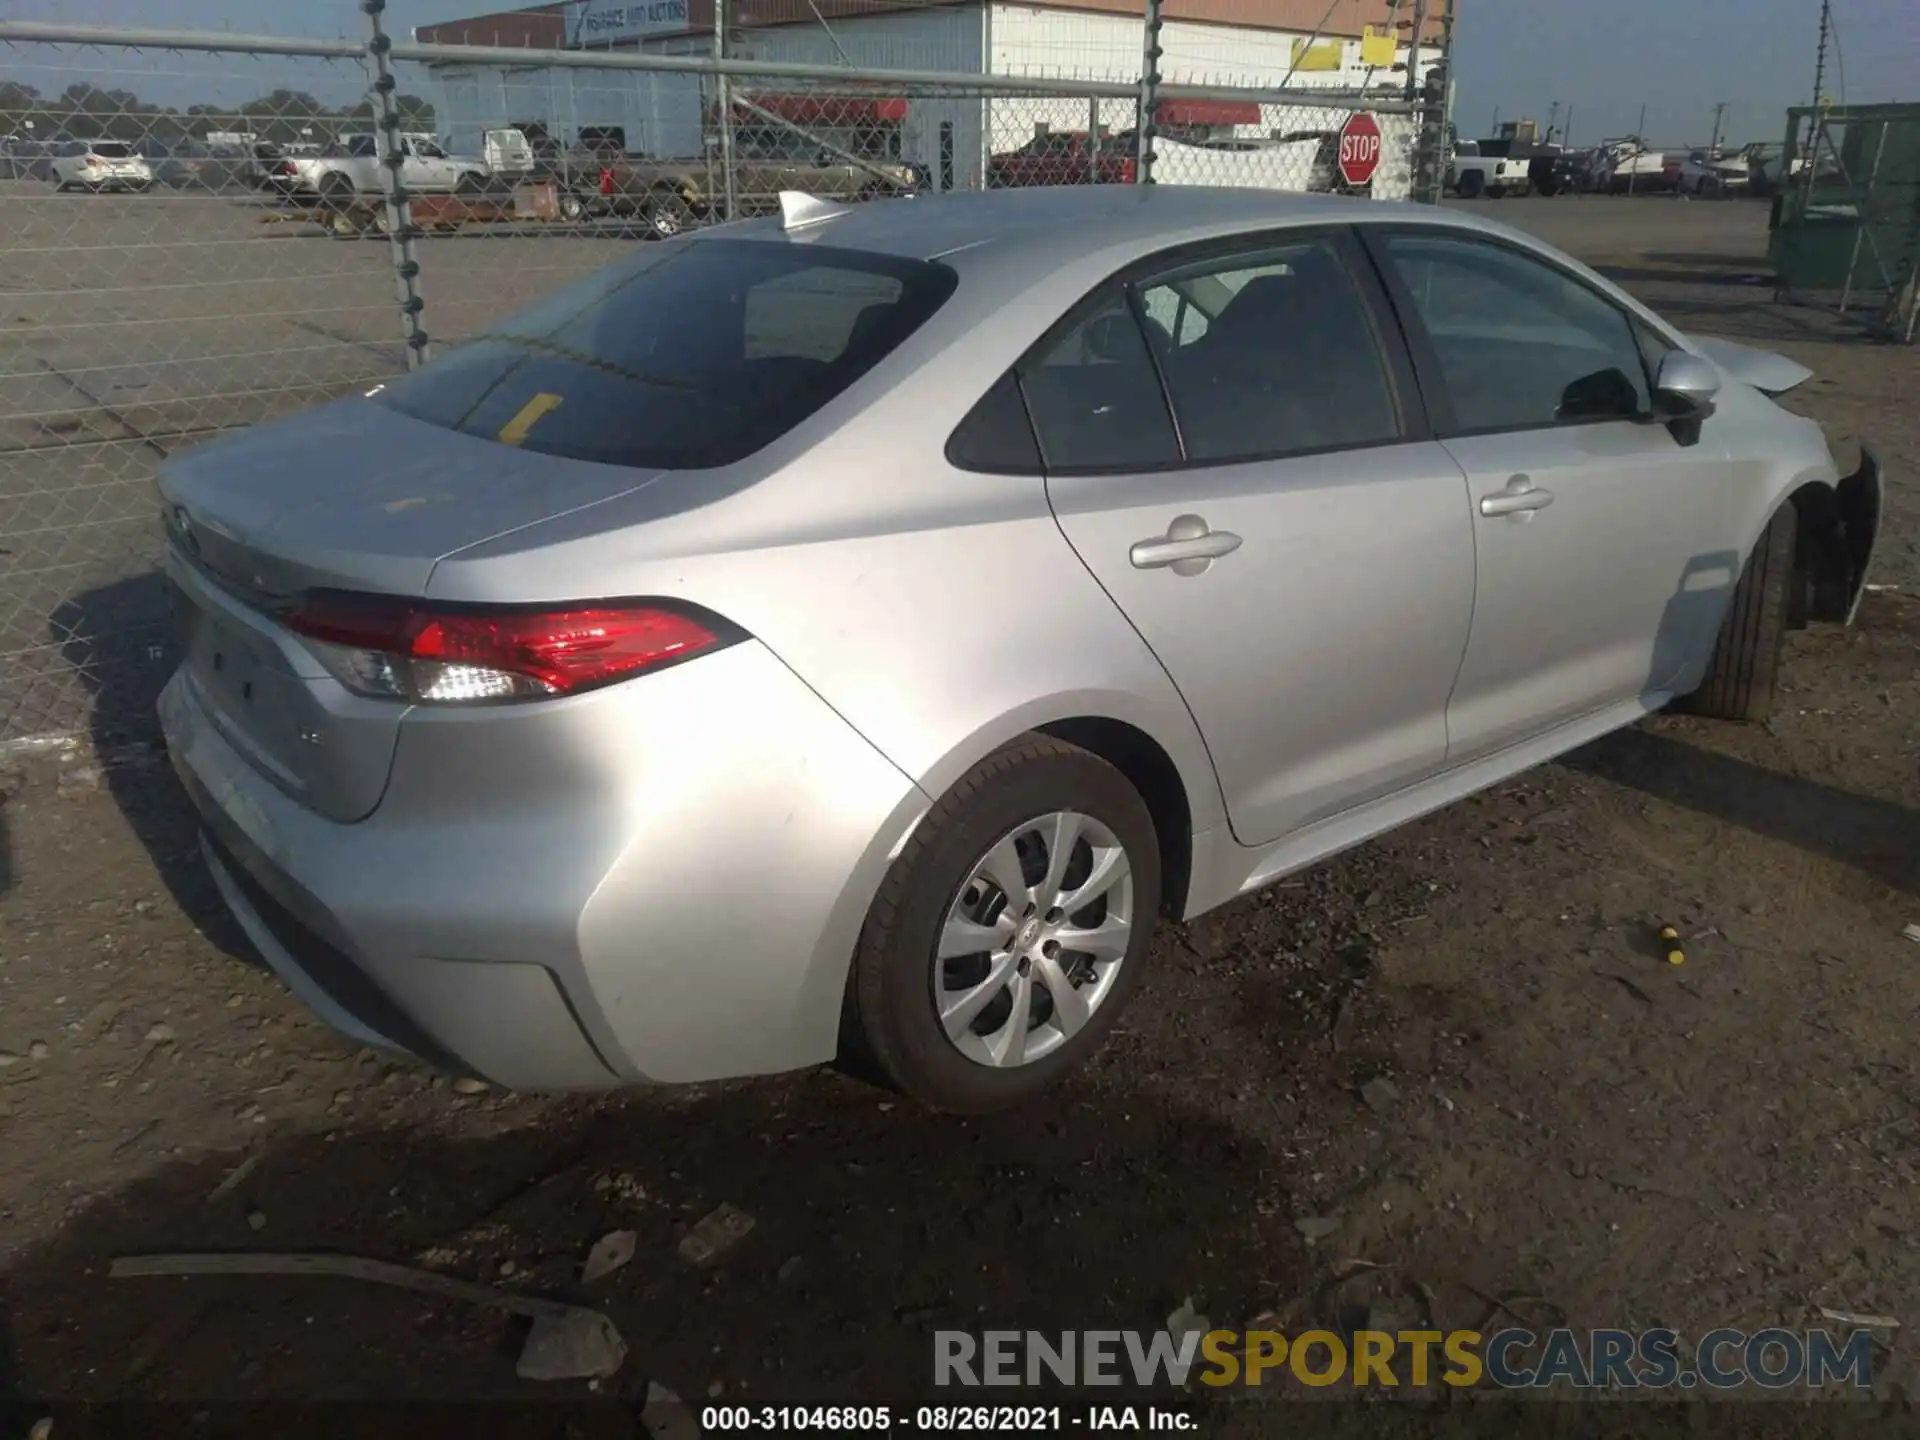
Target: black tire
(343, 224)
(469, 184)
(572, 208)
(892, 1027)
(1472, 185)
(337, 192)
(1746, 658)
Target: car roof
(1039, 229)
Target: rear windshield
(686, 356)
(112, 150)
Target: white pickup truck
(351, 168)
(1471, 174)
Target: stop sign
(1359, 149)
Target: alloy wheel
(1034, 940)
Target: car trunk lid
(350, 496)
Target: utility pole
(1553, 120)
(1713, 145)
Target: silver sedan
(847, 633)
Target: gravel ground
(1571, 1126)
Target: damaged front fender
(1838, 531)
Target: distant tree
(416, 113)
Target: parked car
(350, 170)
(668, 196)
(850, 633)
(100, 165)
(1064, 157)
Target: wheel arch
(1152, 773)
(1838, 522)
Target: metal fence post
(1150, 53)
(399, 209)
(723, 88)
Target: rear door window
(685, 357)
(1270, 354)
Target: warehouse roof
(544, 26)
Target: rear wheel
(1745, 668)
(468, 184)
(1472, 185)
(1006, 939)
(572, 208)
(343, 225)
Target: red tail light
(451, 655)
(285, 167)
(606, 181)
(1128, 174)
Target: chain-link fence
(1845, 227)
(206, 231)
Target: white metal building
(1205, 42)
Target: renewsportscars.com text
(1511, 1359)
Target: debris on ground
(567, 1342)
(256, 1220)
(1670, 942)
(1317, 1227)
(39, 1050)
(1859, 1319)
(1187, 1321)
(1380, 1093)
(160, 1034)
(467, 1085)
(234, 1178)
(609, 1253)
(666, 1416)
(579, 1345)
(718, 1233)
(619, 1186)
(1912, 932)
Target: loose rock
(160, 1035)
(609, 1253)
(467, 1085)
(39, 1050)
(256, 1220)
(1380, 1093)
(1317, 1227)
(718, 1233)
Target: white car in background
(101, 165)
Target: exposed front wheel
(1745, 669)
(1472, 185)
(1006, 939)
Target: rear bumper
(661, 881)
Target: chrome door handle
(1188, 547)
(1520, 499)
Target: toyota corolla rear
(583, 830)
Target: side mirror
(1686, 385)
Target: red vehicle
(1065, 157)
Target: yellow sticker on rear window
(516, 430)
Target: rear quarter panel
(940, 612)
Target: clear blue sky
(1604, 58)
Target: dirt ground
(1572, 1125)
